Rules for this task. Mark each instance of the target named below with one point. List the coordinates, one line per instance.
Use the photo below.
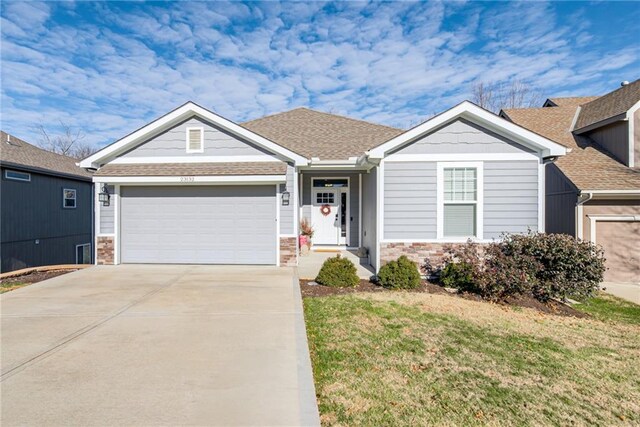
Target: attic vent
(195, 140)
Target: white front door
(328, 213)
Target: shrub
(400, 274)
(540, 265)
(338, 272)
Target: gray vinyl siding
(561, 198)
(614, 138)
(32, 211)
(286, 212)
(369, 214)
(510, 197)
(462, 136)
(216, 143)
(106, 214)
(354, 199)
(410, 200)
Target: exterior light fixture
(104, 196)
(285, 198)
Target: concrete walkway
(627, 291)
(309, 265)
(157, 345)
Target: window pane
(459, 220)
(460, 184)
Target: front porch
(309, 265)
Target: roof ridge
(622, 87)
(323, 113)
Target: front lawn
(423, 359)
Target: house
(593, 193)
(46, 207)
(194, 187)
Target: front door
(329, 215)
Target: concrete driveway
(157, 345)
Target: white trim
(186, 180)
(192, 159)
(593, 219)
(379, 212)
(172, 119)
(462, 157)
(541, 197)
(479, 202)
(7, 171)
(96, 214)
(64, 198)
(116, 224)
(631, 127)
(187, 141)
(477, 115)
(296, 212)
(77, 246)
(359, 210)
(278, 202)
(443, 241)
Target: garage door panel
(208, 225)
(619, 239)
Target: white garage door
(199, 225)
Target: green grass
(398, 359)
(609, 308)
(9, 286)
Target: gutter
(579, 212)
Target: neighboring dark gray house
(194, 187)
(46, 207)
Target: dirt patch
(550, 307)
(35, 277)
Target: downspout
(579, 213)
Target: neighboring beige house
(594, 191)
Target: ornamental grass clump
(338, 272)
(400, 274)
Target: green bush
(400, 274)
(338, 272)
(540, 265)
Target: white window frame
(75, 198)
(198, 128)
(83, 245)
(441, 166)
(13, 178)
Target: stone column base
(105, 245)
(288, 256)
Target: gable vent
(195, 140)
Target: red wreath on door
(325, 210)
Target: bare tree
(498, 96)
(69, 142)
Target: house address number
(187, 179)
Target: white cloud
(115, 66)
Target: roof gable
(177, 116)
(474, 114)
(322, 135)
(608, 106)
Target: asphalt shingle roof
(572, 101)
(193, 169)
(612, 104)
(587, 165)
(14, 151)
(316, 134)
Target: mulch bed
(36, 276)
(549, 307)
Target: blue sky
(110, 67)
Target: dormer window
(195, 140)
